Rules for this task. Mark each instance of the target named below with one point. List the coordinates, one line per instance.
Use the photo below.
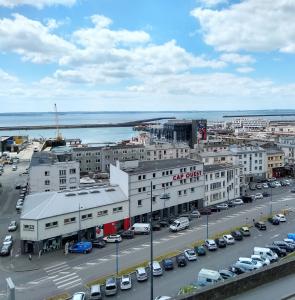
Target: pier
(69, 126)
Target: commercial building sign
(187, 175)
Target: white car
(281, 217)
(162, 298)
(14, 167)
(237, 202)
(229, 239)
(277, 184)
(157, 269)
(264, 260)
(125, 283)
(258, 196)
(141, 274)
(248, 261)
(290, 241)
(190, 254)
(12, 226)
(210, 244)
(8, 240)
(79, 296)
(265, 185)
(222, 206)
(113, 238)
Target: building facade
(218, 157)
(275, 161)
(174, 186)
(51, 172)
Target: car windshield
(191, 252)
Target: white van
(179, 224)
(111, 286)
(208, 277)
(95, 292)
(141, 228)
(266, 252)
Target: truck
(179, 224)
(141, 228)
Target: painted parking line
(145, 245)
(54, 266)
(276, 235)
(104, 259)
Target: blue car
(291, 236)
(81, 247)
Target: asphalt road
(58, 273)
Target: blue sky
(146, 55)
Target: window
(73, 180)
(184, 192)
(192, 190)
(117, 209)
(154, 175)
(139, 202)
(29, 227)
(47, 182)
(51, 225)
(46, 173)
(154, 187)
(85, 217)
(143, 189)
(62, 172)
(102, 213)
(171, 172)
(143, 176)
(179, 193)
(139, 177)
(139, 190)
(62, 181)
(72, 171)
(69, 220)
(217, 175)
(154, 198)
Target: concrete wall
(244, 282)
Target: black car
(98, 243)
(220, 242)
(225, 273)
(164, 223)
(273, 221)
(284, 245)
(156, 227)
(5, 250)
(260, 225)
(168, 264)
(236, 270)
(266, 194)
(127, 234)
(18, 187)
(237, 235)
(279, 251)
(205, 211)
(181, 260)
(215, 208)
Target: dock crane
(58, 134)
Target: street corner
(20, 265)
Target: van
(209, 277)
(179, 224)
(95, 292)
(141, 228)
(111, 286)
(266, 252)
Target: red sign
(187, 175)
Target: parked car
(276, 249)
(14, 167)
(113, 238)
(156, 226)
(266, 194)
(110, 286)
(12, 226)
(265, 185)
(195, 214)
(79, 296)
(258, 186)
(81, 247)
(252, 187)
(156, 267)
(238, 269)
(290, 241)
(260, 225)
(141, 274)
(229, 239)
(220, 242)
(245, 231)
(238, 201)
(200, 250)
(236, 234)
(164, 223)
(293, 190)
(125, 282)
(127, 234)
(258, 196)
(222, 206)
(248, 263)
(273, 220)
(263, 260)
(205, 211)
(210, 245)
(98, 243)
(190, 254)
(5, 250)
(226, 274)
(284, 245)
(281, 217)
(180, 260)
(168, 264)
(8, 240)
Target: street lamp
(152, 255)
(79, 232)
(271, 201)
(207, 224)
(117, 257)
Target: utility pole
(152, 255)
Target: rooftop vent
(83, 193)
(94, 191)
(70, 194)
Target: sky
(124, 55)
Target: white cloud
(212, 3)
(32, 40)
(245, 70)
(7, 77)
(236, 58)
(36, 3)
(250, 25)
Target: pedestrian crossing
(63, 276)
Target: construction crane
(58, 134)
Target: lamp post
(79, 232)
(117, 257)
(207, 217)
(271, 200)
(152, 255)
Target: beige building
(275, 159)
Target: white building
(218, 157)
(222, 183)
(181, 179)
(167, 151)
(51, 172)
(49, 220)
(287, 145)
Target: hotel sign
(187, 175)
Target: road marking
(104, 259)
(164, 239)
(126, 251)
(54, 266)
(212, 223)
(69, 283)
(91, 263)
(276, 235)
(57, 279)
(137, 248)
(59, 270)
(155, 242)
(73, 285)
(145, 245)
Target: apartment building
(211, 158)
(167, 151)
(53, 172)
(173, 185)
(287, 145)
(275, 161)
(222, 183)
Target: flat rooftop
(216, 167)
(217, 153)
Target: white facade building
(218, 157)
(50, 219)
(167, 151)
(222, 183)
(181, 179)
(287, 145)
(50, 172)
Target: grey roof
(43, 158)
(49, 204)
(156, 165)
(80, 149)
(249, 149)
(270, 151)
(217, 153)
(216, 167)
